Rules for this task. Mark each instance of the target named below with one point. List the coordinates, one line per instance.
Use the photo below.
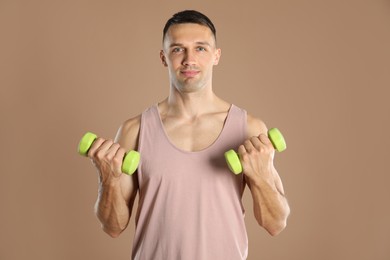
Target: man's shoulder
(127, 135)
(131, 124)
(255, 126)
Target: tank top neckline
(214, 143)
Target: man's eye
(176, 49)
(201, 49)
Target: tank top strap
(151, 128)
(235, 128)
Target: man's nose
(189, 58)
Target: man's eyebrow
(203, 43)
(176, 44)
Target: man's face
(190, 53)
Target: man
(189, 202)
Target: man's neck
(192, 105)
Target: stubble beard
(190, 85)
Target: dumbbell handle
(130, 160)
(277, 140)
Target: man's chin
(189, 87)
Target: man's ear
(163, 60)
(217, 56)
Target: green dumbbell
(277, 141)
(130, 160)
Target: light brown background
(318, 70)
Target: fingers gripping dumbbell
(276, 139)
(130, 160)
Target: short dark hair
(190, 16)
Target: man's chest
(193, 135)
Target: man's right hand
(107, 157)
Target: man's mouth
(189, 73)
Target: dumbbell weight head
(233, 161)
(85, 143)
(130, 160)
(277, 140)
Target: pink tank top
(190, 204)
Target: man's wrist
(261, 182)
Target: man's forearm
(270, 206)
(112, 209)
